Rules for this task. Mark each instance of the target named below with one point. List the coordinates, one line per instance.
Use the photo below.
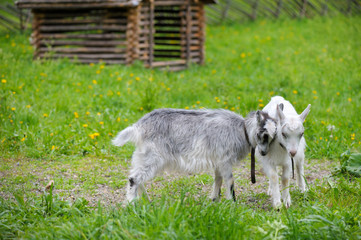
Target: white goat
(289, 146)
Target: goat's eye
(284, 135)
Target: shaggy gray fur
(193, 141)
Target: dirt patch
(70, 185)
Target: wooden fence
(243, 10)
(12, 19)
(226, 11)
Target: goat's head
(266, 131)
(290, 129)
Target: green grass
(57, 120)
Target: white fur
(289, 135)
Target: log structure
(167, 34)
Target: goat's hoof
(277, 205)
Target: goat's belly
(190, 165)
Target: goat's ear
(305, 112)
(281, 106)
(259, 117)
(280, 114)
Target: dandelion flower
(294, 92)
(76, 115)
(99, 114)
(23, 139)
(141, 108)
(198, 102)
(268, 59)
(13, 109)
(126, 120)
(261, 105)
(95, 82)
(118, 119)
(3, 80)
(338, 94)
(85, 125)
(101, 123)
(52, 147)
(168, 89)
(243, 55)
(349, 99)
(45, 115)
(137, 79)
(314, 92)
(186, 107)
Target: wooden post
(21, 20)
(303, 9)
(151, 29)
(36, 34)
(225, 10)
(278, 10)
(324, 8)
(254, 10)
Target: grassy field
(57, 120)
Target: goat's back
(271, 107)
(189, 135)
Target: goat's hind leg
(227, 175)
(216, 186)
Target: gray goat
(193, 141)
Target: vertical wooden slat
(188, 31)
(151, 35)
(202, 23)
(36, 33)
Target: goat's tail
(127, 135)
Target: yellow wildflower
(76, 115)
(3, 80)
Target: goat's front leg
(216, 186)
(286, 175)
(299, 163)
(274, 188)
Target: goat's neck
(251, 129)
